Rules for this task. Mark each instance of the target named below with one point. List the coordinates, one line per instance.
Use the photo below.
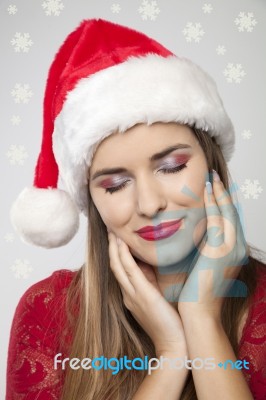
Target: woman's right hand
(143, 298)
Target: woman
(140, 138)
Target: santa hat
(106, 78)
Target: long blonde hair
(103, 325)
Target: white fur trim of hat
(117, 98)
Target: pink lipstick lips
(161, 231)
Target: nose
(150, 197)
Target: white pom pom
(45, 217)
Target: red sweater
(36, 326)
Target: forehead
(141, 140)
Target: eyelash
(174, 170)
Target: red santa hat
(106, 78)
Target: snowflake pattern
(15, 120)
(9, 238)
(12, 9)
(17, 155)
(245, 22)
(207, 8)
(53, 7)
(21, 268)
(21, 42)
(234, 73)
(149, 10)
(193, 32)
(21, 93)
(220, 50)
(246, 134)
(251, 189)
(115, 8)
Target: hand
(221, 256)
(142, 297)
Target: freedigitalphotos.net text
(118, 364)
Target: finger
(211, 206)
(222, 196)
(134, 273)
(215, 224)
(148, 272)
(116, 265)
(233, 234)
(227, 209)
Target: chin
(159, 260)
(138, 257)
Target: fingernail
(209, 187)
(216, 176)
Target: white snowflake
(234, 73)
(251, 189)
(149, 10)
(207, 8)
(220, 50)
(9, 238)
(193, 32)
(246, 21)
(12, 9)
(21, 268)
(15, 120)
(17, 155)
(22, 42)
(53, 7)
(246, 134)
(115, 8)
(21, 93)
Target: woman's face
(147, 176)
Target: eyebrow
(154, 157)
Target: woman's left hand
(221, 256)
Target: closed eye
(173, 170)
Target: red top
(34, 332)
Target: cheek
(189, 187)
(112, 212)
